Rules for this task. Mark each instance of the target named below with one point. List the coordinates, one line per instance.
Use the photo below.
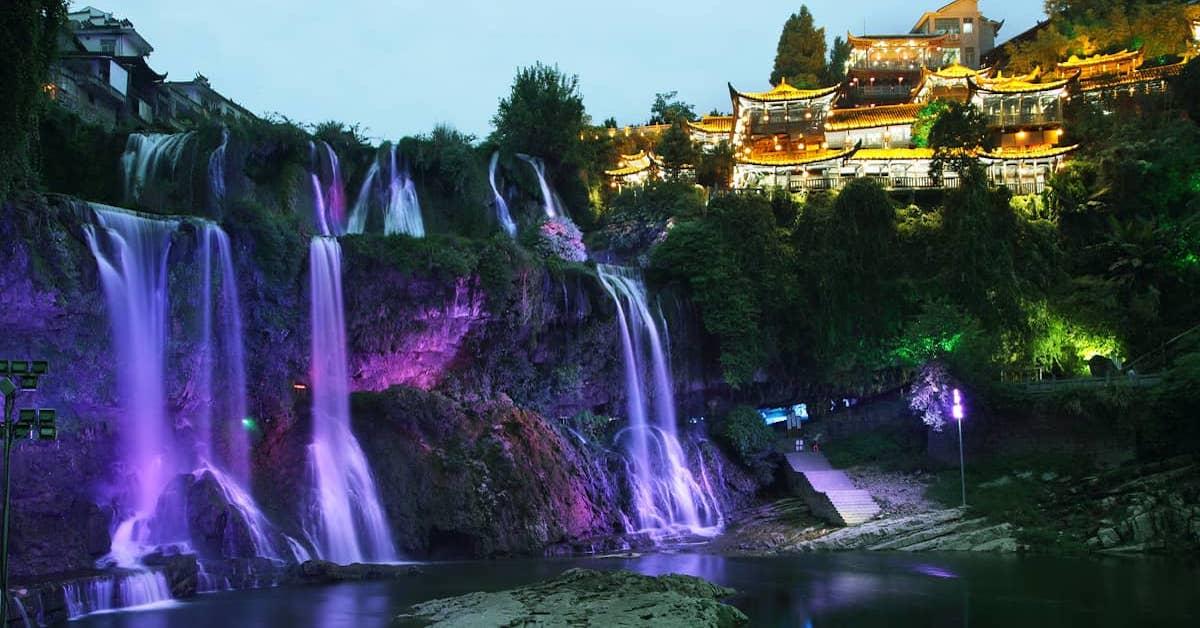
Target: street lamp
(957, 412)
(31, 423)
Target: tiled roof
(1035, 153)
(893, 153)
(783, 91)
(630, 164)
(1116, 57)
(787, 158)
(867, 117)
(713, 124)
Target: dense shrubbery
(751, 440)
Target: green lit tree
(924, 124)
(955, 136)
(715, 169)
(800, 56)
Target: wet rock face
(583, 597)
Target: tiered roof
(1017, 85)
(630, 165)
(1039, 152)
(790, 158)
(1125, 56)
(713, 124)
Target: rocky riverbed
(584, 597)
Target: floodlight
(24, 426)
(39, 367)
(47, 426)
(29, 382)
(3, 367)
(18, 367)
(6, 386)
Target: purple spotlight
(957, 410)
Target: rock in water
(584, 597)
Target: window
(108, 46)
(946, 25)
(968, 25)
(969, 57)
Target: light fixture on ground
(31, 423)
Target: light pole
(957, 412)
(16, 376)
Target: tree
(28, 37)
(839, 56)
(1187, 89)
(667, 109)
(800, 57)
(543, 115)
(924, 124)
(676, 149)
(715, 169)
(955, 136)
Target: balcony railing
(1023, 119)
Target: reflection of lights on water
(934, 571)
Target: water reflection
(820, 590)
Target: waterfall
(148, 157)
(216, 172)
(550, 201)
(256, 522)
(222, 378)
(131, 252)
(120, 591)
(502, 215)
(667, 498)
(329, 195)
(398, 199)
(348, 524)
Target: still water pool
(846, 589)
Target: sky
(400, 67)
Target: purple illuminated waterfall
(502, 214)
(131, 252)
(550, 201)
(390, 187)
(329, 192)
(216, 171)
(221, 438)
(149, 157)
(347, 523)
(667, 498)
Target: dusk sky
(398, 67)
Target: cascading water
(550, 201)
(390, 186)
(667, 498)
(149, 157)
(131, 252)
(347, 523)
(222, 379)
(502, 214)
(329, 192)
(216, 172)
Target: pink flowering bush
(559, 237)
(931, 395)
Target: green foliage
(715, 170)
(1187, 89)
(439, 256)
(889, 450)
(656, 201)
(751, 439)
(800, 56)
(28, 37)
(677, 150)
(281, 155)
(276, 238)
(63, 137)
(926, 117)
(543, 115)
(958, 130)
(839, 57)
(452, 177)
(667, 109)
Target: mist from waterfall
(502, 214)
(149, 157)
(390, 188)
(551, 204)
(667, 498)
(346, 523)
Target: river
(820, 589)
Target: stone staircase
(828, 491)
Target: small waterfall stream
(667, 498)
(502, 215)
(389, 187)
(551, 204)
(148, 157)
